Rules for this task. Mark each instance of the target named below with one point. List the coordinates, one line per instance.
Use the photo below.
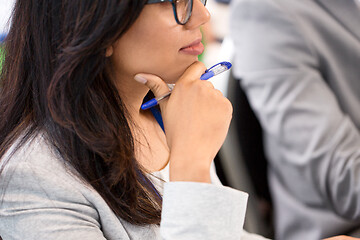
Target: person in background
(298, 62)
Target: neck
(132, 94)
(152, 155)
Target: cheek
(148, 49)
(161, 55)
(156, 54)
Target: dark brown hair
(55, 80)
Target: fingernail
(139, 78)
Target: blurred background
(5, 12)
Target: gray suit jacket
(43, 198)
(299, 61)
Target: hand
(196, 118)
(341, 238)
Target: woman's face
(156, 44)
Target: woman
(79, 159)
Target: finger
(208, 84)
(193, 72)
(153, 82)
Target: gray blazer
(43, 198)
(299, 61)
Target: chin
(172, 80)
(173, 77)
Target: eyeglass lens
(184, 9)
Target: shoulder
(36, 169)
(45, 198)
(268, 35)
(38, 157)
(42, 197)
(285, 6)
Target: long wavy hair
(55, 79)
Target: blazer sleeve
(193, 211)
(39, 205)
(308, 138)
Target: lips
(195, 48)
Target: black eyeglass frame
(173, 3)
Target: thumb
(153, 82)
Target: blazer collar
(345, 11)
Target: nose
(199, 16)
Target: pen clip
(225, 64)
(209, 73)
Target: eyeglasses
(182, 8)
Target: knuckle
(153, 83)
(192, 73)
(200, 65)
(157, 88)
(208, 84)
(219, 93)
(186, 85)
(182, 86)
(228, 108)
(203, 87)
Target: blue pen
(209, 73)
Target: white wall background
(5, 12)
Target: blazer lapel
(345, 11)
